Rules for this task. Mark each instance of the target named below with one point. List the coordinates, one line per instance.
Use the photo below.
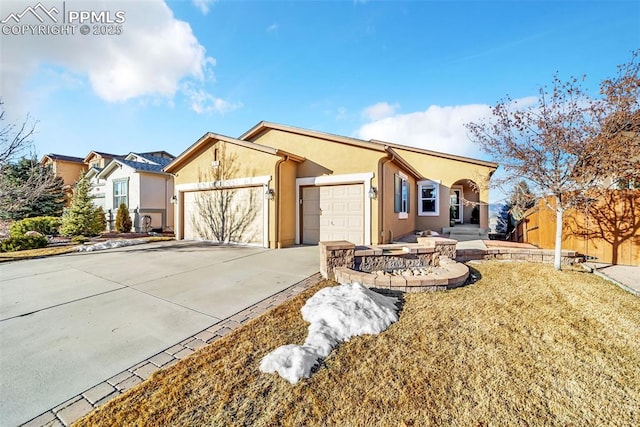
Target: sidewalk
(73, 409)
(625, 276)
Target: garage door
(333, 213)
(229, 215)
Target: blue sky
(408, 72)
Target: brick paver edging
(80, 405)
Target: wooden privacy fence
(607, 229)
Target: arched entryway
(464, 200)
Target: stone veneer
(345, 262)
(518, 254)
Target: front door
(456, 204)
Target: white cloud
(272, 28)
(437, 128)
(203, 102)
(379, 111)
(155, 54)
(203, 5)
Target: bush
(80, 218)
(99, 220)
(47, 225)
(80, 239)
(475, 215)
(23, 243)
(123, 220)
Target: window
(428, 204)
(401, 196)
(120, 193)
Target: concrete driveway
(70, 322)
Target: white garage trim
(253, 181)
(354, 178)
(227, 183)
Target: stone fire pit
(424, 266)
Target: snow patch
(335, 315)
(110, 244)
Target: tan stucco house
(69, 168)
(305, 186)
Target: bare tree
(16, 140)
(561, 145)
(613, 154)
(225, 214)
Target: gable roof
(372, 144)
(209, 136)
(101, 154)
(62, 158)
(136, 166)
(440, 154)
(150, 158)
(92, 171)
(264, 126)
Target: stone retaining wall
(393, 257)
(529, 255)
(380, 266)
(339, 253)
(452, 275)
(369, 258)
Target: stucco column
(484, 208)
(484, 216)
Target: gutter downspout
(176, 206)
(380, 204)
(277, 201)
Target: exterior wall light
(373, 193)
(269, 194)
(174, 200)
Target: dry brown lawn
(55, 250)
(524, 345)
(36, 253)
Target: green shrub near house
(82, 217)
(22, 243)
(123, 219)
(46, 225)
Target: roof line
(247, 144)
(115, 161)
(402, 162)
(257, 129)
(438, 154)
(63, 158)
(372, 144)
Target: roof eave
(109, 167)
(209, 136)
(439, 154)
(402, 162)
(263, 126)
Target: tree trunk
(558, 248)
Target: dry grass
(525, 345)
(56, 250)
(36, 253)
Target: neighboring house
(304, 186)
(96, 161)
(69, 168)
(138, 181)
